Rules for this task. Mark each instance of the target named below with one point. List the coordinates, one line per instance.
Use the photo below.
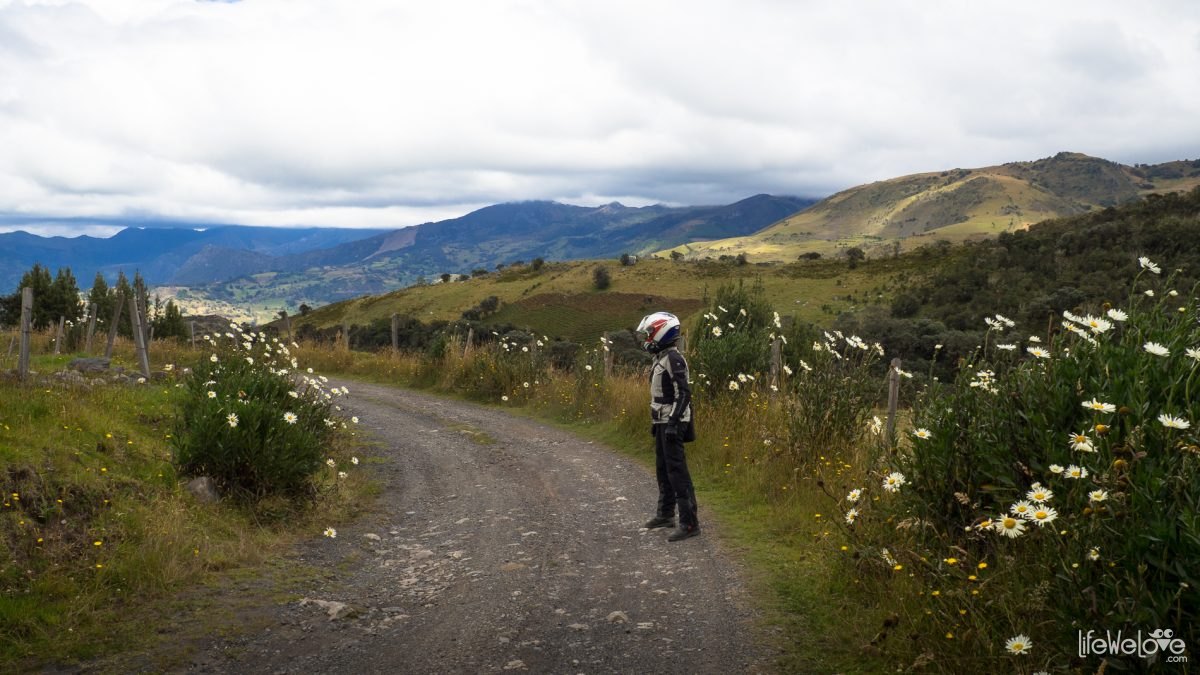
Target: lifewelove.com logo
(1159, 643)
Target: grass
(560, 300)
(96, 530)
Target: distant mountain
(955, 205)
(281, 267)
(160, 253)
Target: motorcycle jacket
(670, 394)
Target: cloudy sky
(385, 114)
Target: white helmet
(658, 331)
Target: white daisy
(1097, 406)
(894, 481)
(1077, 472)
(1009, 526)
(1081, 443)
(1019, 644)
(1156, 349)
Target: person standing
(671, 425)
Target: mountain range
(284, 267)
(268, 269)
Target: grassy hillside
(956, 205)
(560, 299)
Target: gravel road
(500, 544)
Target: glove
(671, 430)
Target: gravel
(498, 545)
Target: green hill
(559, 299)
(955, 205)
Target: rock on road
(500, 544)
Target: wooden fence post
(26, 327)
(608, 358)
(193, 325)
(87, 348)
(893, 400)
(139, 336)
(112, 329)
(287, 324)
(58, 338)
(470, 342)
(776, 362)
(395, 333)
(345, 337)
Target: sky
(365, 113)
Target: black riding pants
(674, 481)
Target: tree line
(57, 295)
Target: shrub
(732, 338)
(601, 278)
(246, 424)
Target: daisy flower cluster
(250, 403)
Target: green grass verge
(96, 530)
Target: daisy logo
(1159, 642)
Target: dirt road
(500, 545)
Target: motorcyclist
(671, 425)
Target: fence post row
(87, 348)
(139, 336)
(893, 400)
(26, 328)
(112, 329)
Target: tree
(123, 291)
(170, 323)
(445, 277)
(601, 278)
(38, 279)
(855, 254)
(676, 255)
(304, 309)
(537, 264)
(64, 297)
(102, 297)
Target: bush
(601, 278)
(244, 423)
(731, 339)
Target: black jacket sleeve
(679, 377)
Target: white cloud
(390, 114)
